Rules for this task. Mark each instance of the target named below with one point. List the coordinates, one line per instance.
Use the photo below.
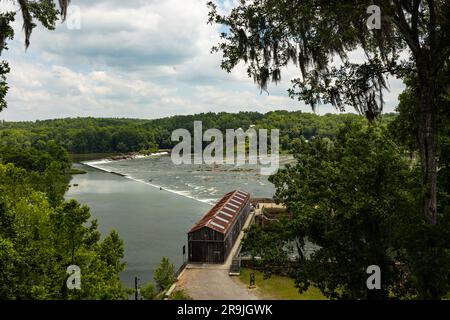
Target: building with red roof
(211, 239)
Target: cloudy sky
(135, 59)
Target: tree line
(107, 135)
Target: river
(153, 203)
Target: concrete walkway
(213, 284)
(212, 281)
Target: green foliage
(180, 295)
(41, 234)
(148, 292)
(4, 70)
(47, 163)
(272, 245)
(164, 275)
(6, 33)
(268, 35)
(355, 197)
(405, 127)
(43, 11)
(90, 135)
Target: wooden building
(212, 238)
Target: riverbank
(81, 157)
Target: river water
(152, 203)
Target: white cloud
(135, 58)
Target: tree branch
(414, 20)
(413, 43)
(432, 29)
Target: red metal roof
(224, 212)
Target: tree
(148, 292)
(53, 181)
(270, 34)
(164, 275)
(100, 135)
(427, 242)
(354, 198)
(180, 295)
(48, 167)
(44, 11)
(38, 241)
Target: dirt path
(213, 284)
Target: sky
(136, 59)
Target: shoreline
(81, 157)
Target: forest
(41, 233)
(107, 135)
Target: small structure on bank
(212, 238)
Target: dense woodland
(358, 196)
(104, 135)
(41, 234)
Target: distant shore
(80, 157)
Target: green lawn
(278, 288)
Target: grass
(278, 287)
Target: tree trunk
(427, 145)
